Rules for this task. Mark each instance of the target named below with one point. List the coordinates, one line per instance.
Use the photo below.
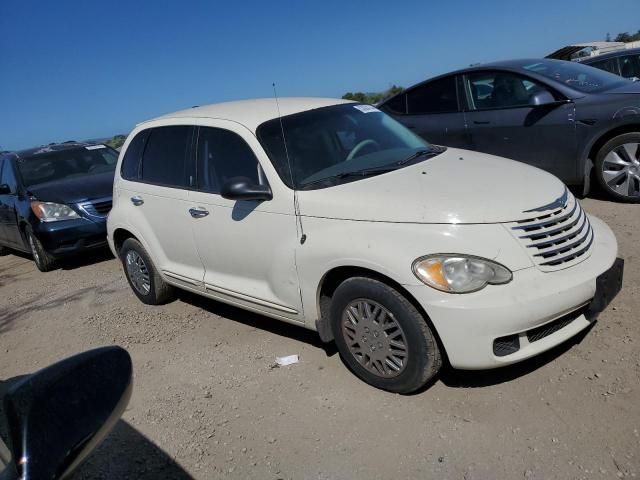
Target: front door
(247, 247)
(9, 231)
(501, 121)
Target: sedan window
(630, 66)
(491, 90)
(438, 96)
(610, 65)
(7, 177)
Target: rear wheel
(618, 167)
(44, 262)
(3, 251)
(381, 336)
(144, 279)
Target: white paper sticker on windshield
(94, 147)
(366, 108)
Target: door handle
(137, 200)
(481, 122)
(198, 212)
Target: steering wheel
(355, 150)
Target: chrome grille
(97, 208)
(559, 236)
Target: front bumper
(469, 324)
(70, 237)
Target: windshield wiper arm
(432, 152)
(357, 173)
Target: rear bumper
(70, 237)
(469, 324)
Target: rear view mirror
(542, 98)
(5, 189)
(58, 415)
(242, 188)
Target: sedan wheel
(618, 167)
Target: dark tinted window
(610, 65)
(397, 104)
(438, 96)
(223, 155)
(499, 89)
(630, 66)
(130, 168)
(48, 165)
(164, 161)
(575, 75)
(7, 177)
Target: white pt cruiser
(331, 215)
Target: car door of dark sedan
(501, 120)
(9, 232)
(433, 111)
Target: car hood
(457, 186)
(75, 189)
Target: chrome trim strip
(558, 261)
(554, 221)
(90, 203)
(553, 232)
(557, 203)
(570, 246)
(181, 278)
(249, 298)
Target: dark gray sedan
(563, 117)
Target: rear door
(9, 231)
(433, 111)
(157, 174)
(501, 121)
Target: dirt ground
(208, 404)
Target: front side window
(164, 161)
(222, 155)
(50, 165)
(497, 89)
(338, 143)
(582, 78)
(7, 177)
(438, 96)
(630, 66)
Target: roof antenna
(296, 205)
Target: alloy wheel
(621, 170)
(138, 272)
(375, 338)
(34, 249)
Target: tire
(142, 275)
(618, 167)
(44, 262)
(3, 251)
(417, 362)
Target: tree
(372, 97)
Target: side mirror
(58, 415)
(542, 98)
(242, 188)
(5, 189)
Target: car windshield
(575, 75)
(50, 165)
(338, 143)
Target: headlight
(52, 212)
(459, 273)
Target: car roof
(252, 113)
(605, 56)
(52, 147)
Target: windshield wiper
(357, 173)
(431, 152)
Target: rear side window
(438, 96)
(130, 169)
(630, 66)
(164, 161)
(7, 177)
(397, 104)
(222, 155)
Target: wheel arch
(334, 277)
(120, 235)
(595, 147)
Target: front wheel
(382, 337)
(618, 167)
(142, 275)
(44, 262)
